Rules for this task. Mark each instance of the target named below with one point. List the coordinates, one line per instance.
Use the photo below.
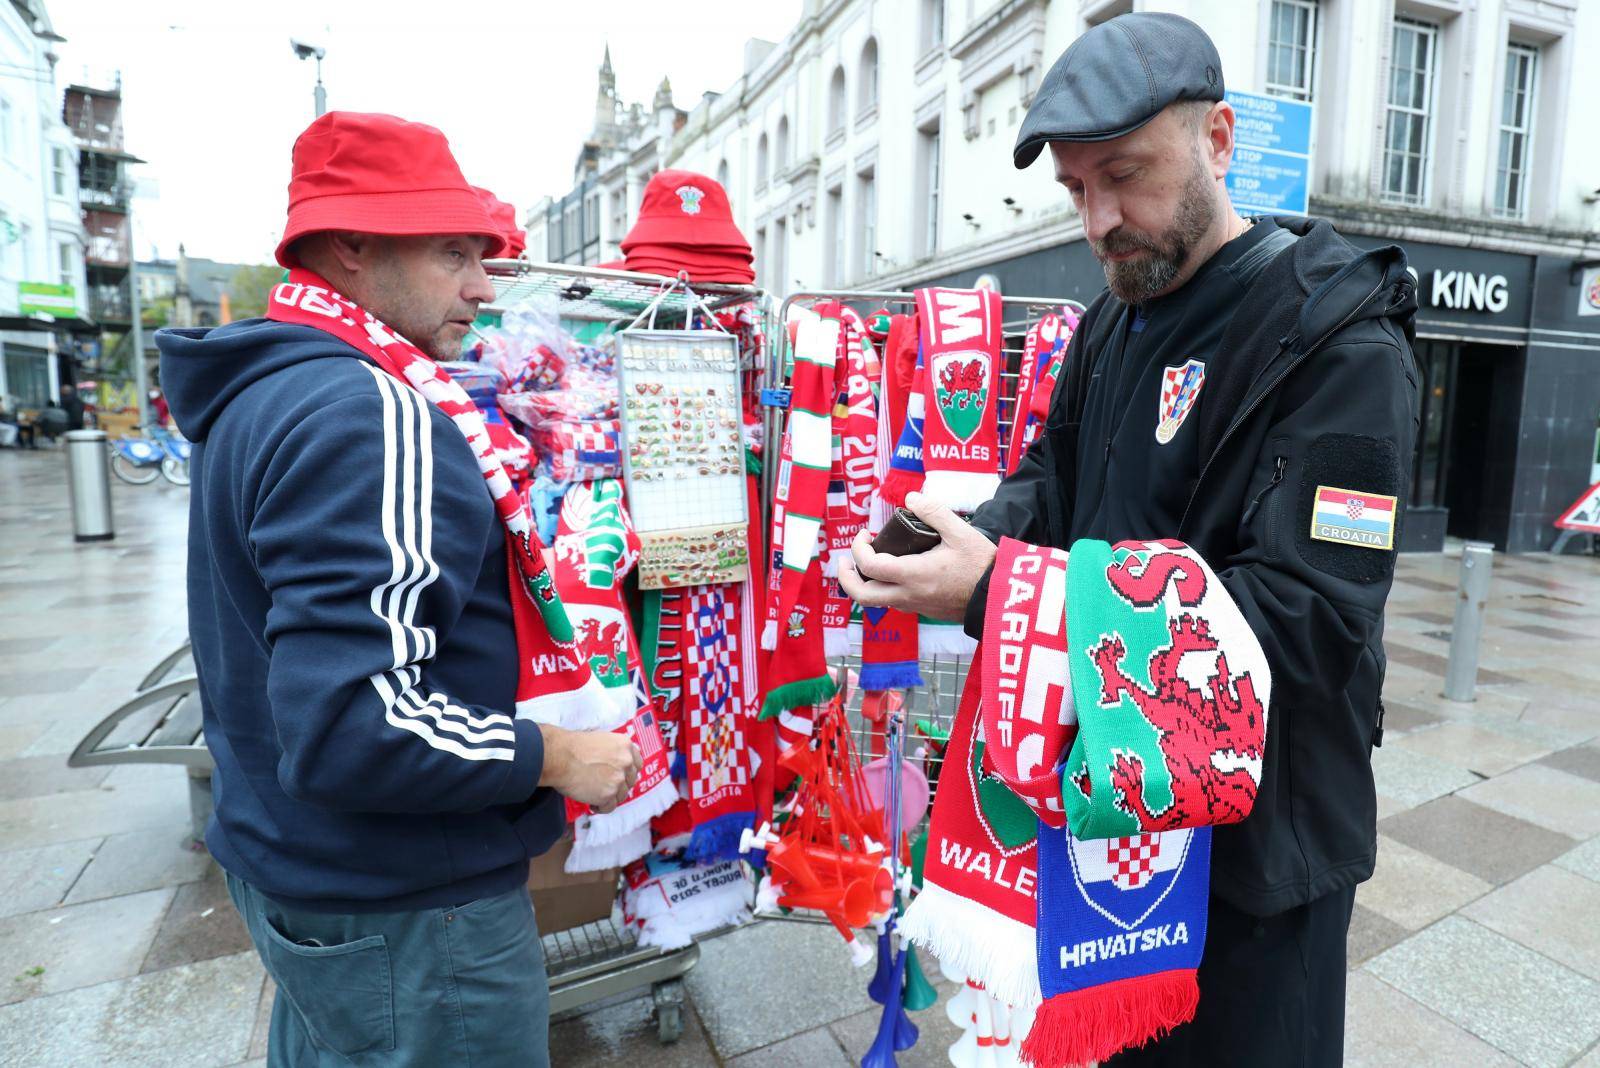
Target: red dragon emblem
(963, 381)
(1211, 744)
(600, 644)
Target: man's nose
(1101, 215)
(478, 287)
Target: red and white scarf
(554, 683)
(1043, 356)
(717, 699)
(961, 349)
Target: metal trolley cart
(944, 676)
(598, 960)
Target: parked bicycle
(140, 461)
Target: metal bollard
(89, 483)
(1461, 674)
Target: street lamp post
(319, 95)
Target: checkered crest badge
(1126, 879)
(1180, 387)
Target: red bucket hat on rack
(504, 216)
(378, 174)
(682, 210)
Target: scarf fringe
(895, 675)
(836, 641)
(589, 708)
(1089, 1025)
(607, 827)
(978, 942)
(586, 856)
(897, 483)
(718, 839)
(801, 694)
(943, 639)
(678, 927)
(961, 491)
(769, 635)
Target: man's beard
(1136, 280)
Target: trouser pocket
(345, 992)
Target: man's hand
(938, 583)
(594, 767)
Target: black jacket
(1314, 384)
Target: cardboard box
(562, 901)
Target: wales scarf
(554, 683)
(595, 549)
(961, 348)
(1161, 690)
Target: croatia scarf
(1150, 750)
(716, 690)
(961, 343)
(554, 683)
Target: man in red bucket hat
(367, 604)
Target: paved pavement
(1477, 943)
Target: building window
(761, 163)
(1408, 150)
(1516, 131)
(867, 82)
(67, 263)
(781, 152)
(60, 171)
(1292, 49)
(836, 232)
(722, 176)
(867, 222)
(836, 102)
(932, 25)
(8, 135)
(780, 256)
(929, 159)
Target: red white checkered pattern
(716, 746)
(1133, 858)
(1353, 508)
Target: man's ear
(1218, 134)
(349, 250)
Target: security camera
(1008, 201)
(307, 51)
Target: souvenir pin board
(683, 455)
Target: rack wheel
(668, 996)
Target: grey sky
(213, 96)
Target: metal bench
(160, 725)
(177, 664)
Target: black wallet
(905, 535)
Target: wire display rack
(598, 960)
(935, 702)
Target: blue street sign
(1271, 169)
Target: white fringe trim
(589, 708)
(676, 929)
(836, 641)
(614, 854)
(607, 827)
(960, 491)
(989, 948)
(943, 639)
(769, 635)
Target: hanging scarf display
(906, 472)
(721, 796)
(1043, 353)
(961, 341)
(1164, 749)
(979, 880)
(796, 672)
(669, 901)
(610, 839)
(594, 550)
(554, 683)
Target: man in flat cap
(1245, 391)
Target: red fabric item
(721, 796)
(685, 209)
(504, 216)
(961, 336)
(554, 683)
(728, 274)
(378, 174)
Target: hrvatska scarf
(1043, 351)
(554, 683)
(961, 341)
(721, 795)
(889, 635)
(1169, 690)
(976, 910)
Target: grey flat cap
(1117, 77)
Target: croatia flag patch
(1351, 517)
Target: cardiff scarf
(554, 683)
(1155, 761)
(961, 341)
(721, 796)
(976, 909)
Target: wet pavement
(1475, 944)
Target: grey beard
(1138, 280)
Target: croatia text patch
(1351, 517)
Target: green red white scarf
(554, 683)
(961, 342)
(594, 549)
(1168, 688)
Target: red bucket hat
(685, 209)
(378, 174)
(504, 216)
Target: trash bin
(89, 482)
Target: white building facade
(41, 226)
(872, 149)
